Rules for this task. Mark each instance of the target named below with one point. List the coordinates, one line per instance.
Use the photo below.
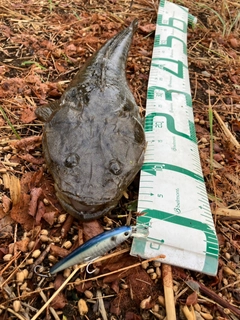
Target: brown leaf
(40, 212)
(36, 178)
(27, 144)
(71, 48)
(60, 66)
(234, 43)
(6, 203)
(217, 157)
(22, 245)
(6, 222)
(92, 229)
(84, 286)
(35, 194)
(54, 93)
(15, 189)
(50, 217)
(28, 157)
(28, 115)
(221, 239)
(115, 285)
(192, 299)
(59, 301)
(19, 212)
(58, 281)
(147, 28)
(3, 251)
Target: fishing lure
(93, 248)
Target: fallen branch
(214, 297)
(168, 292)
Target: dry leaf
(28, 115)
(22, 245)
(59, 301)
(6, 202)
(234, 43)
(192, 299)
(148, 27)
(27, 144)
(83, 286)
(28, 157)
(40, 212)
(50, 217)
(35, 194)
(92, 229)
(15, 189)
(19, 212)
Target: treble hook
(88, 265)
(40, 274)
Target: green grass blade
(9, 123)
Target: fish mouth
(82, 210)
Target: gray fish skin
(93, 139)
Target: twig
(101, 306)
(227, 212)
(53, 312)
(217, 299)
(226, 131)
(168, 292)
(17, 315)
(39, 260)
(8, 265)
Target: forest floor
(42, 45)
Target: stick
(168, 292)
(229, 136)
(215, 298)
(227, 212)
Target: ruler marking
(172, 155)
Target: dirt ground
(42, 45)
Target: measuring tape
(172, 194)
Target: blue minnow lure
(93, 248)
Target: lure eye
(126, 233)
(72, 160)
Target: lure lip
(111, 234)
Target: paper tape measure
(172, 193)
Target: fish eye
(126, 233)
(115, 167)
(72, 160)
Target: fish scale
(172, 194)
